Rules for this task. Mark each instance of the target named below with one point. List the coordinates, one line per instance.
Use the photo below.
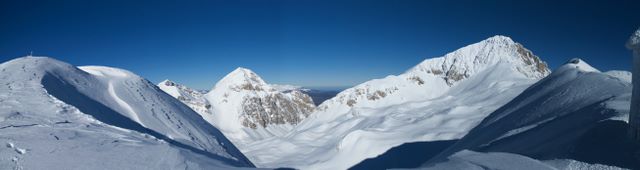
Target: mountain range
(494, 100)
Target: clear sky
(308, 43)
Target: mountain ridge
(78, 112)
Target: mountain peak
(242, 78)
(167, 82)
(242, 70)
(471, 59)
(36, 61)
(500, 39)
(579, 64)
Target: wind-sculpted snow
(567, 115)
(439, 99)
(60, 117)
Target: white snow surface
(549, 119)
(57, 116)
(470, 160)
(287, 87)
(231, 95)
(620, 74)
(426, 103)
(192, 98)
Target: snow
(622, 75)
(286, 87)
(471, 160)
(494, 160)
(426, 103)
(577, 63)
(550, 119)
(242, 102)
(567, 164)
(192, 98)
(55, 115)
(495, 96)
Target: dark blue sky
(309, 43)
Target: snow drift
(56, 115)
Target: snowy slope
(574, 113)
(622, 75)
(192, 98)
(439, 99)
(470, 160)
(245, 108)
(53, 114)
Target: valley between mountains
(495, 103)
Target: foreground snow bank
(567, 115)
(57, 116)
(470, 160)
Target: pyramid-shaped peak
(500, 39)
(473, 58)
(579, 64)
(241, 76)
(168, 82)
(242, 71)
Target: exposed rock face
(246, 108)
(466, 61)
(96, 117)
(434, 76)
(634, 115)
(276, 108)
(192, 98)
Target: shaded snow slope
(567, 115)
(245, 108)
(439, 99)
(622, 75)
(101, 117)
(470, 160)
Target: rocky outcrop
(464, 62)
(192, 98)
(246, 108)
(276, 108)
(434, 76)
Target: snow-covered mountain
(57, 116)
(245, 108)
(433, 77)
(576, 113)
(192, 98)
(471, 160)
(439, 99)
